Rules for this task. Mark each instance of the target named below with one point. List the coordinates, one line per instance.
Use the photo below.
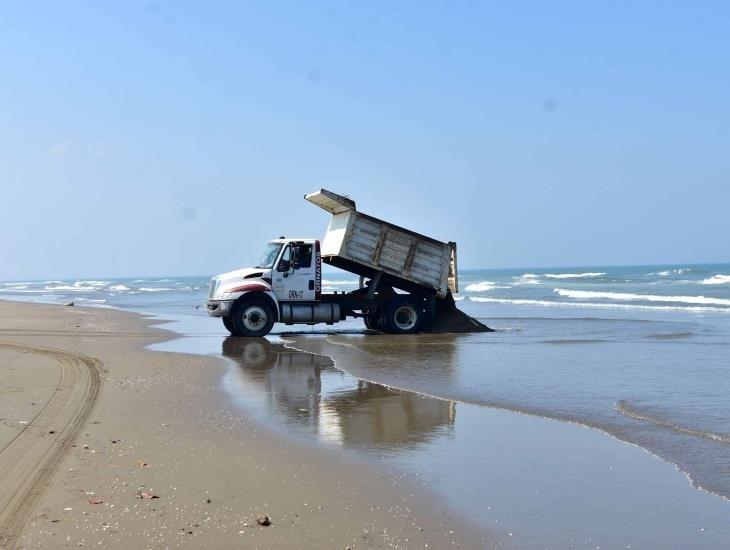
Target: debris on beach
(264, 521)
(146, 495)
(69, 304)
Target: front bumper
(219, 308)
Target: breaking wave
(162, 289)
(481, 286)
(119, 288)
(76, 287)
(527, 279)
(626, 296)
(573, 275)
(718, 279)
(554, 303)
(625, 408)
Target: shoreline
(159, 428)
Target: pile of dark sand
(449, 318)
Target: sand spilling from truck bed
(450, 319)
(162, 461)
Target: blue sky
(166, 138)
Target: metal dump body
(366, 246)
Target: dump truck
(406, 280)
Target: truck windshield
(267, 259)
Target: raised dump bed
(370, 247)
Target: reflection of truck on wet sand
(308, 392)
(286, 284)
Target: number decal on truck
(296, 294)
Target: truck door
(294, 277)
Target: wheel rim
(405, 317)
(254, 318)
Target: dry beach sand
(103, 442)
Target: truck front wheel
(403, 315)
(252, 317)
(228, 323)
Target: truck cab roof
(283, 240)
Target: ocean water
(640, 353)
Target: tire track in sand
(29, 462)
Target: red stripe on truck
(251, 287)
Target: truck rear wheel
(252, 317)
(372, 321)
(404, 315)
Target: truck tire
(404, 315)
(252, 317)
(371, 321)
(228, 323)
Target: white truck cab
(287, 276)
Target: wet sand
(116, 445)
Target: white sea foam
(481, 286)
(573, 275)
(718, 279)
(160, 289)
(549, 303)
(527, 279)
(119, 288)
(669, 272)
(76, 287)
(164, 289)
(627, 297)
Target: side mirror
(284, 265)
